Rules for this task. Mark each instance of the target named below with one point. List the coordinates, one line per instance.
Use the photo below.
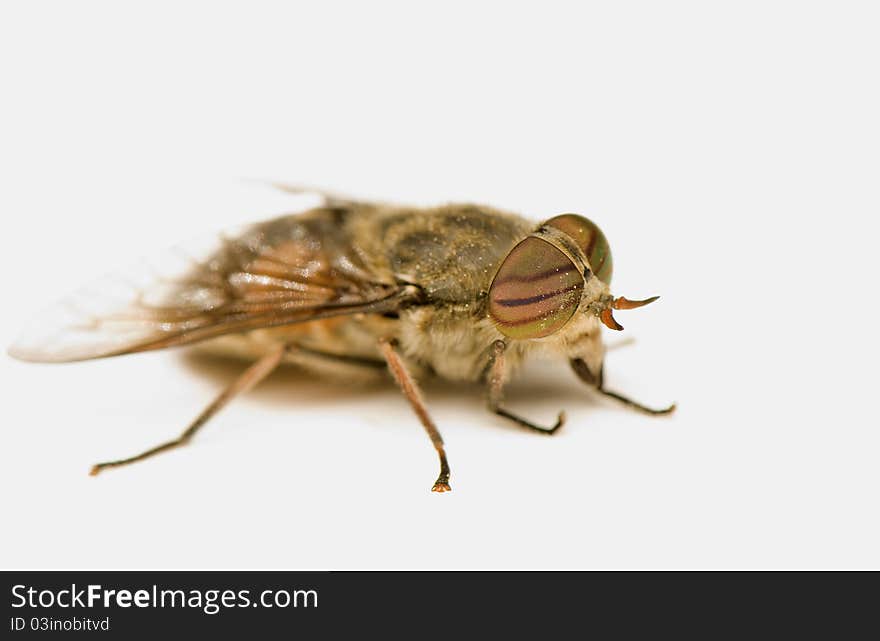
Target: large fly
(462, 292)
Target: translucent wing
(288, 270)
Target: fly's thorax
(449, 252)
(449, 340)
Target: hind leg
(250, 377)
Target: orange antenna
(622, 303)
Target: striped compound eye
(535, 292)
(587, 235)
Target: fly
(359, 289)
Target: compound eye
(587, 235)
(536, 291)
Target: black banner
(323, 604)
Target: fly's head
(557, 273)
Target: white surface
(729, 152)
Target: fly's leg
(496, 387)
(250, 377)
(411, 391)
(653, 411)
(358, 362)
(598, 382)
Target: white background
(728, 150)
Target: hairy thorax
(448, 340)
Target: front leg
(598, 382)
(496, 380)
